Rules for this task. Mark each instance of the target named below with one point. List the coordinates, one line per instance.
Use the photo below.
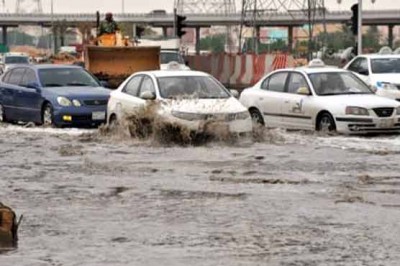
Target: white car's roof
(375, 56)
(311, 70)
(174, 73)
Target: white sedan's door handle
(287, 101)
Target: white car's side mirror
(235, 93)
(148, 95)
(373, 88)
(303, 91)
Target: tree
(371, 38)
(215, 43)
(16, 37)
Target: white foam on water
(45, 130)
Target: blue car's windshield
(60, 77)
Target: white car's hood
(393, 78)
(204, 106)
(362, 100)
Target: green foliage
(20, 38)
(274, 45)
(215, 43)
(371, 38)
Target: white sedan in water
(320, 98)
(190, 98)
(380, 71)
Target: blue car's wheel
(2, 115)
(47, 115)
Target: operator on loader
(108, 26)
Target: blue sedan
(56, 95)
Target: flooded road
(293, 199)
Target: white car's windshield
(61, 77)
(385, 65)
(335, 83)
(191, 87)
(167, 57)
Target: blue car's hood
(78, 92)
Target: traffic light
(180, 24)
(139, 31)
(354, 19)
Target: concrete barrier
(239, 70)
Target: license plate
(98, 115)
(385, 123)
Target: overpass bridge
(290, 20)
(295, 18)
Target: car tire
(2, 114)
(257, 117)
(113, 121)
(47, 115)
(326, 123)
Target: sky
(143, 6)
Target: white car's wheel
(326, 123)
(257, 117)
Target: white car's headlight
(64, 101)
(386, 86)
(187, 116)
(242, 115)
(398, 110)
(352, 110)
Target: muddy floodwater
(292, 199)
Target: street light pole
(52, 27)
(123, 6)
(359, 35)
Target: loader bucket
(115, 64)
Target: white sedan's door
(271, 98)
(297, 108)
(128, 100)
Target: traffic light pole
(175, 23)
(359, 35)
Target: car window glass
(264, 84)
(28, 78)
(277, 82)
(16, 76)
(363, 66)
(147, 85)
(336, 83)
(69, 76)
(296, 81)
(201, 87)
(355, 65)
(132, 87)
(6, 77)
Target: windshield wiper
(53, 85)
(77, 84)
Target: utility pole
(123, 6)
(53, 37)
(359, 35)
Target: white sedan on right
(320, 98)
(380, 71)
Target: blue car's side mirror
(104, 83)
(33, 85)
